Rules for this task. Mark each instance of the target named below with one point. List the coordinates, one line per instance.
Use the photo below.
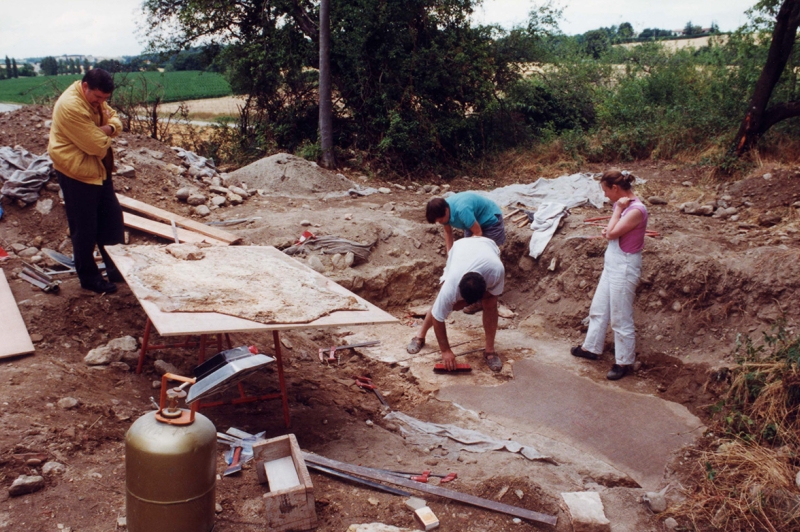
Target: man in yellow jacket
(80, 147)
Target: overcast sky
(107, 28)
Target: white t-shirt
(473, 254)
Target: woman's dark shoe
(100, 286)
(617, 372)
(114, 276)
(579, 351)
(415, 345)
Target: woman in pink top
(613, 298)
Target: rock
(586, 510)
(768, 219)
(186, 251)
(184, 193)
(28, 252)
(435, 189)
(53, 187)
(553, 265)
(234, 199)
(121, 142)
(53, 468)
(349, 259)
(99, 356)
(218, 190)
(676, 306)
(17, 247)
(196, 199)
(692, 207)
(687, 183)
(670, 523)
(553, 297)
(68, 403)
(398, 186)
(163, 367)
(316, 264)
(427, 188)
(384, 190)
(36, 338)
(44, 206)
(174, 169)
(348, 216)
(122, 522)
(388, 207)
(305, 223)
(202, 211)
(519, 493)
(126, 170)
(656, 200)
(504, 312)
(797, 480)
(120, 366)
(336, 260)
(218, 508)
(240, 191)
(583, 284)
(26, 484)
(767, 176)
(526, 263)
(111, 352)
(218, 201)
(655, 500)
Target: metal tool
(236, 464)
(38, 278)
(449, 477)
(332, 350)
(366, 383)
(376, 485)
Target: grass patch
(177, 86)
(745, 480)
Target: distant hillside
(678, 44)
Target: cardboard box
(291, 508)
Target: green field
(178, 86)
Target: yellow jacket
(77, 145)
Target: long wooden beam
(166, 216)
(16, 340)
(165, 231)
(375, 474)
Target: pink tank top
(633, 241)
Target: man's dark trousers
(94, 217)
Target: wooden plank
(16, 340)
(183, 323)
(374, 474)
(165, 231)
(166, 216)
(512, 213)
(281, 474)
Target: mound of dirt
(286, 175)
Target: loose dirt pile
(705, 280)
(286, 175)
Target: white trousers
(613, 302)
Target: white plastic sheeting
(424, 433)
(22, 173)
(571, 190)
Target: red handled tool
(460, 368)
(366, 383)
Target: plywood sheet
(166, 216)
(165, 231)
(15, 337)
(183, 323)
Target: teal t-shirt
(468, 207)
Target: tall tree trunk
(325, 104)
(758, 118)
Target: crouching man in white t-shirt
(473, 273)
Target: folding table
(203, 324)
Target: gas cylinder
(170, 468)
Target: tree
(625, 32)
(325, 104)
(413, 79)
(14, 67)
(49, 66)
(759, 118)
(9, 72)
(86, 66)
(596, 42)
(690, 29)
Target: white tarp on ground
(571, 190)
(423, 433)
(23, 174)
(545, 222)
